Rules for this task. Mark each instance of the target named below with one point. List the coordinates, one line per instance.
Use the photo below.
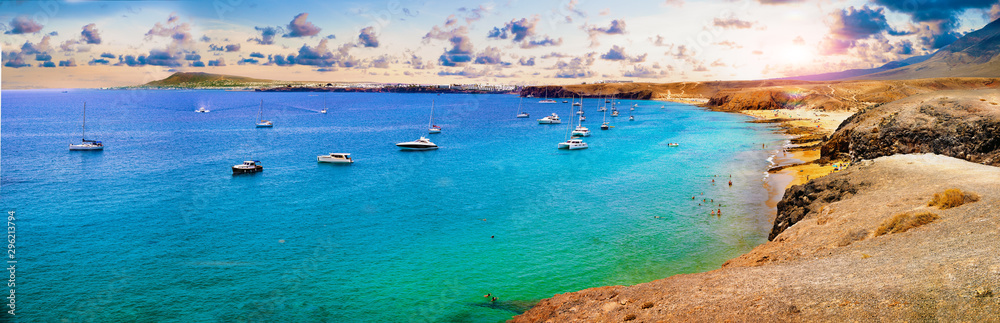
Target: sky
(70, 44)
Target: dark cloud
(192, 57)
(90, 34)
(108, 55)
(938, 18)
(460, 52)
(247, 61)
(554, 55)
(331, 36)
(854, 24)
(44, 57)
(16, 61)
(54, 33)
(217, 62)
(48, 64)
(257, 55)
(205, 39)
(99, 61)
(225, 48)
(266, 35)
(233, 48)
(197, 64)
(181, 42)
(299, 27)
(380, 62)
(617, 28)
(23, 25)
(490, 56)
(417, 63)
(516, 30)
(732, 23)
(318, 56)
(367, 37)
(132, 60)
(68, 63)
(617, 53)
(41, 47)
(472, 15)
(160, 57)
(528, 62)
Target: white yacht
(548, 101)
(576, 104)
(260, 116)
(336, 158)
(614, 113)
(581, 131)
(324, 106)
(573, 144)
(250, 166)
(552, 119)
(419, 144)
(202, 110)
(86, 144)
(631, 118)
(523, 115)
(602, 109)
(605, 126)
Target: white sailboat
(604, 124)
(324, 106)
(86, 144)
(261, 123)
(433, 128)
(521, 114)
(547, 100)
(572, 142)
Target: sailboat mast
(83, 135)
(260, 115)
(431, 122)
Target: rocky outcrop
(808, 199)
(831, 266)
(556, 91)
(961, 124)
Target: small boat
(324, 106)
(322, 111)
(336, 158)
(581, 131)
(564, 101)
(573, 144)
(419, 144)
(632, 109)
(607, 101)
(202, 110)
(604, 126)
(548, 101)
(673, 144)
(250, 166)
(602, 109)
(552, 119)
(86, 144)
(614, 113)
(663, 107)
(576, 104)
(521, 114)
(631, 118)
(433, 128)
(583, 118)
(260, 116)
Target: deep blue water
(155, 227)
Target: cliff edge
(873, 250)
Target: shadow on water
(515, 306)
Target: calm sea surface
(156, 228)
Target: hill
(973, 55)
(198, 79)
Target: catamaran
(86, 144)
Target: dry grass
(952, 198)
(905, 221)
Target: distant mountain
(974, 55)
(859, 72)
(198, 79)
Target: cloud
(197, 64)
(617, 27)
(331, 36)
(490, 56)
(217, 62)
(233, 48)
(108, 55)
(266, 35)
(299, 27)
(854, 24)
(48, 64)
(730, 44)
(732, 23)
(43, 57)
(778, 2)
(367, 38)
(90, 34)
(23, 25)
(192, 57)
(160, 57)
(798, 41)
(472, 15)
(676, 3)
(718, 63)
(517, 30)
(257, 55)
(546, 41)
(468, 72)
(41, 47)
(617, 53)
(461, 47)
(226, 48)
(640, 71)
(381, 62)
(318, 56)
(99, 61)
(132, 60)
(659, 41)
(181, 42)
(528, 62)
(17, 61)
(575, 68)
(206, 39)
(417, 63)
(68, 63)
(937, 19)
(554, 55)
(248, 61)
(54, 33)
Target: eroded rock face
(960, 124)
(801, 201)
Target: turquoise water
(155, 227)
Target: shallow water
(155, 227)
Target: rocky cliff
(962, 124)
(876, 251)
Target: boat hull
(240, 170)
(416, 147)
(86, 147)
(543, 121)
(327, 159)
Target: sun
(796, 54)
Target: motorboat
(576, 104)
(614, 113)
(336, 158)
(419, 144)
(605, 126)
(673, 144)
(631, 118)
(86, 144)
(202, 110)
(552, 119)
(548, 101)
(573, 144)
(564, 101)
(581, 131)
(250, 166)
(602, 109)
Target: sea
(156, 228)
